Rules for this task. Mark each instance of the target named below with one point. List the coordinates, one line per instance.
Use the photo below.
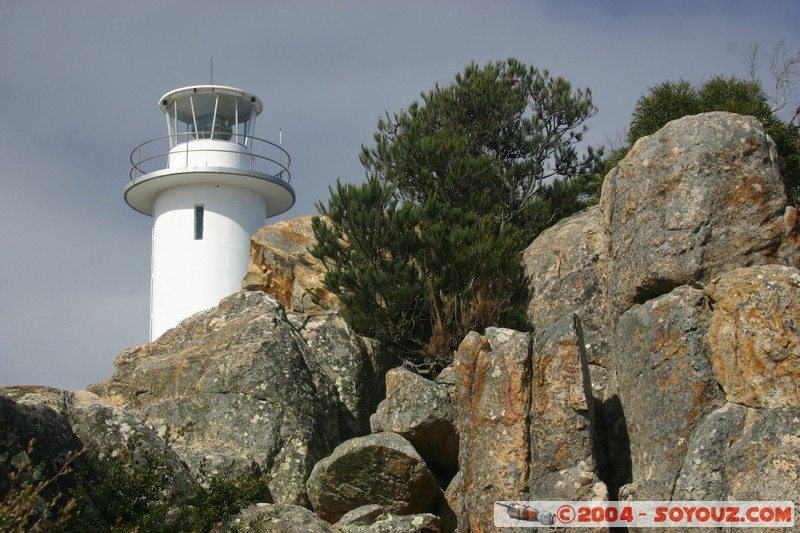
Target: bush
(31, 505)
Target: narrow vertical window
(198, 222)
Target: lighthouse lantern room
(209, 184)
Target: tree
(457, 185)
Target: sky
(80, 83)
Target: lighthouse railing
(258, 154)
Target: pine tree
(458, 184)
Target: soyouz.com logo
(644, 514)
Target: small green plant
(136, 491)
(216, 498)
(30, 505)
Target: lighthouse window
(198, 222)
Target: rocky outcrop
(564, 266)
(423, 412)
(382, 469)
(683, 280)
(240, 385)
(662, 364)
(281, 266)
(63, 424)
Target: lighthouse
(209, 184)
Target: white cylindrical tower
(209, 184)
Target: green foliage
(369, 248)
(487, 143)
(31, 505)
(135, 490)
(216, 498)
(129, 491)
(669, 101)
(458, 184)
(664, 102)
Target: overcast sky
(80, 83)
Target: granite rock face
(754, 338)
(666, 385)
(277, 518)
(375, 519)
(493, 391)
(281, 266)
(684, 280)
(356, 365)
(240, 385)
(562, 420)
(564, 267)
(382, 468)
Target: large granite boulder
(700, 197)
(241, 388)
(754, 337)
(422, 411)
(65, 423)
(382, 468)
(281, 266)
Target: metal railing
(266, 158)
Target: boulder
(375, 519)
(493, 395)
(666, 386)
(277, 518)
(754, 337)
(698, 198)
(423, 412)
(241, 389)
(382, 469)
(564, 267)
(281, 266)
(103, 430)
(562, 418)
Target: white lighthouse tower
(209, 184)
